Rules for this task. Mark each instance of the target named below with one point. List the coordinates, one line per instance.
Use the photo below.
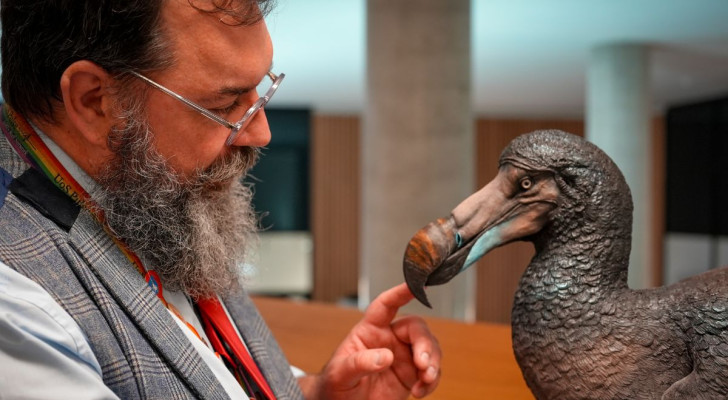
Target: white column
(417, 143)
(618, 121)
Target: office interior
(393, 112)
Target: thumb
(361, 364)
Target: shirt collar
(83, 179)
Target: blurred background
(394, 111)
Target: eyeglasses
(235, 128)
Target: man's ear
(86, 89)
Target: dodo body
(579, 332)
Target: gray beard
(193, 231)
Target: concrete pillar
(417, 143)
(618, 121)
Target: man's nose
(256, 133)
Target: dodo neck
(592, 253)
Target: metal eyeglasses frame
(235, 128)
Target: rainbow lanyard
(31, 148)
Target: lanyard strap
(31, 148)
(225, 340)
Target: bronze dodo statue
(579, 332)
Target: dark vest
(142, 352)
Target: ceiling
(529, 57)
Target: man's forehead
(202, 40)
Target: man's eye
(226, 110)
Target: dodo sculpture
(579, 332)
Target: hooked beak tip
(424, 254)
(416, 279)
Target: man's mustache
(234, 164)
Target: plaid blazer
(142, 352)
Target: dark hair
(41, 38)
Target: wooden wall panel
(499, 271)
(335, 206)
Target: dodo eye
(526, 183)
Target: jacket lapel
(263, 347)
(142, 306)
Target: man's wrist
(310, 386)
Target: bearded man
(124, 220)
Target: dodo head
(548, 183)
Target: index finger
(384, 308)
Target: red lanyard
(36, 153)
(225, 340)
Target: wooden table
(477, 364)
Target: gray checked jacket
(142, 352)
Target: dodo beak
(491, 217)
